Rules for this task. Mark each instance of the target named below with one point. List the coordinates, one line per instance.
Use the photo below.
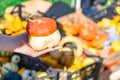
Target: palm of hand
(24, 48)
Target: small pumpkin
(28, 75)
(43, 33)
(99, 39)
(41, 74)
(70, 28)
(88, 30)
(4, 59)
(41, 26)
(9, 66)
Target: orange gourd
(41, 27)
(88, 30)
(70, 28)
(99, 39)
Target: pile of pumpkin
(92, 37)
(114, 24)
(85, 34)
(71, 56)
(12, 25)
(10, 69)
(99, 37)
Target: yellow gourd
(14, 25)
(9, 18)
(41, 74)
(77, 63)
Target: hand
(23, 47)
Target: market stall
(89, 39)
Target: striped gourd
(5, 53)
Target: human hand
(23, 47)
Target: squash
(99, 39)
(88, 30)
(43, 33)
(70, 28)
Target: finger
(36, 54)
(51, 49)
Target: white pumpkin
(28, 74)
(15, 59)
(115, 75)
(9, 67)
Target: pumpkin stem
(32, 15)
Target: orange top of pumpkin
(88, 30)
(99, 39)
(41, 27)
(70, 28)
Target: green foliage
(7, 3)
(65, 1)
(5, 53)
